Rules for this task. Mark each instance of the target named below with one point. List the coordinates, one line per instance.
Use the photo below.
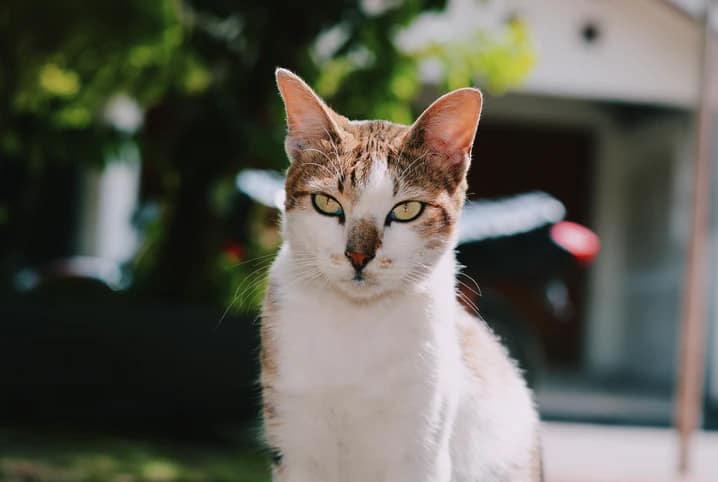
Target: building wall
(644, 50)
(712, 343)
(657, 206)
(641, 213)
(643, 216)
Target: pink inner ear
(307, 116)
(450, 136)
(449, 124)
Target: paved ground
(595, 453)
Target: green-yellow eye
(327, 205)
(406, 211)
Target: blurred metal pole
(693, 316)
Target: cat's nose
(358, 260)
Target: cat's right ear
(309, 119)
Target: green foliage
(498, 62)
(370, 78)
(58, 75)
(367, 76)
(69, 457)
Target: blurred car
(517, 254)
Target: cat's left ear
(447, 128)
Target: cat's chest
(323, 343)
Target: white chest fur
(372, 388)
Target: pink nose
(358, 260)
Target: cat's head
(370, 205)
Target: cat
(371, 370)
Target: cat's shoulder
(482, 351)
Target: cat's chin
(361, 290)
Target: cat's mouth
(360, 280)
(360, 287)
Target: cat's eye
(327, 205)
(406, 211)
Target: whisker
(476, 284)
(251, 286)
(468, 287)
(257, 259)
(469, 302)
(248, 280)
(332, 173)
(331, 141)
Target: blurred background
(141, 146)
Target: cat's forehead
(368, 141)
(370, 159)
(375, 134)
(378, 153)
(348, 162)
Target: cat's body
(376, 373)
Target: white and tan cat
(371, 369)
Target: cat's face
(371, 206)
